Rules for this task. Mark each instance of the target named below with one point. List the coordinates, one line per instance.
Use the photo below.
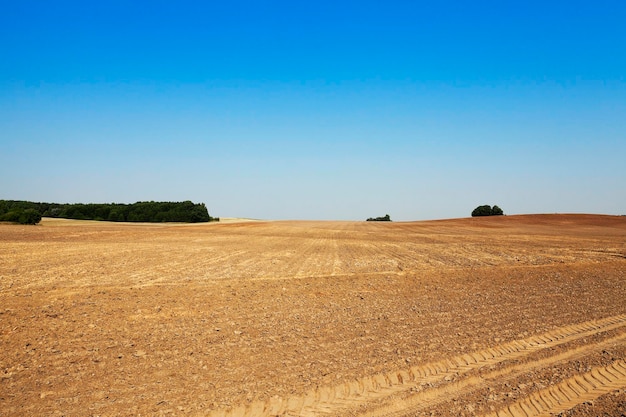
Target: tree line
(26, 212)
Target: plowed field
(498, 316)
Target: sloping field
(498, 316)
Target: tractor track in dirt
(413, 404)
(406, 392)
(569, 393)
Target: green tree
(385, 218)
(496, 211)
(29, 216)
(143, 211)
(482, 211)
(11, 216)
(116, 215)
(22, 216)
(487, 210)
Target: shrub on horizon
(487, 210)
(385, 218)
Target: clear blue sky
(316, 110)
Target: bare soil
(507, 316)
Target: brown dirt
(508, 316)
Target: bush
(482, 211)
(487, 210)
(385, 218)
(28, 216)
(11, 216)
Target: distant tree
(116, 215)
(385, 218)
(143, 211)
(11, 216)
(487, 210)
(496, 211)
(22, 216)
(482, 211)
(29, 216)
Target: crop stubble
(516, 315)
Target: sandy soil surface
(506, 316)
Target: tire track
(426, 384)
(441, 393)
(569, 393)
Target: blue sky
(319, 110)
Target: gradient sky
(320, 110)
